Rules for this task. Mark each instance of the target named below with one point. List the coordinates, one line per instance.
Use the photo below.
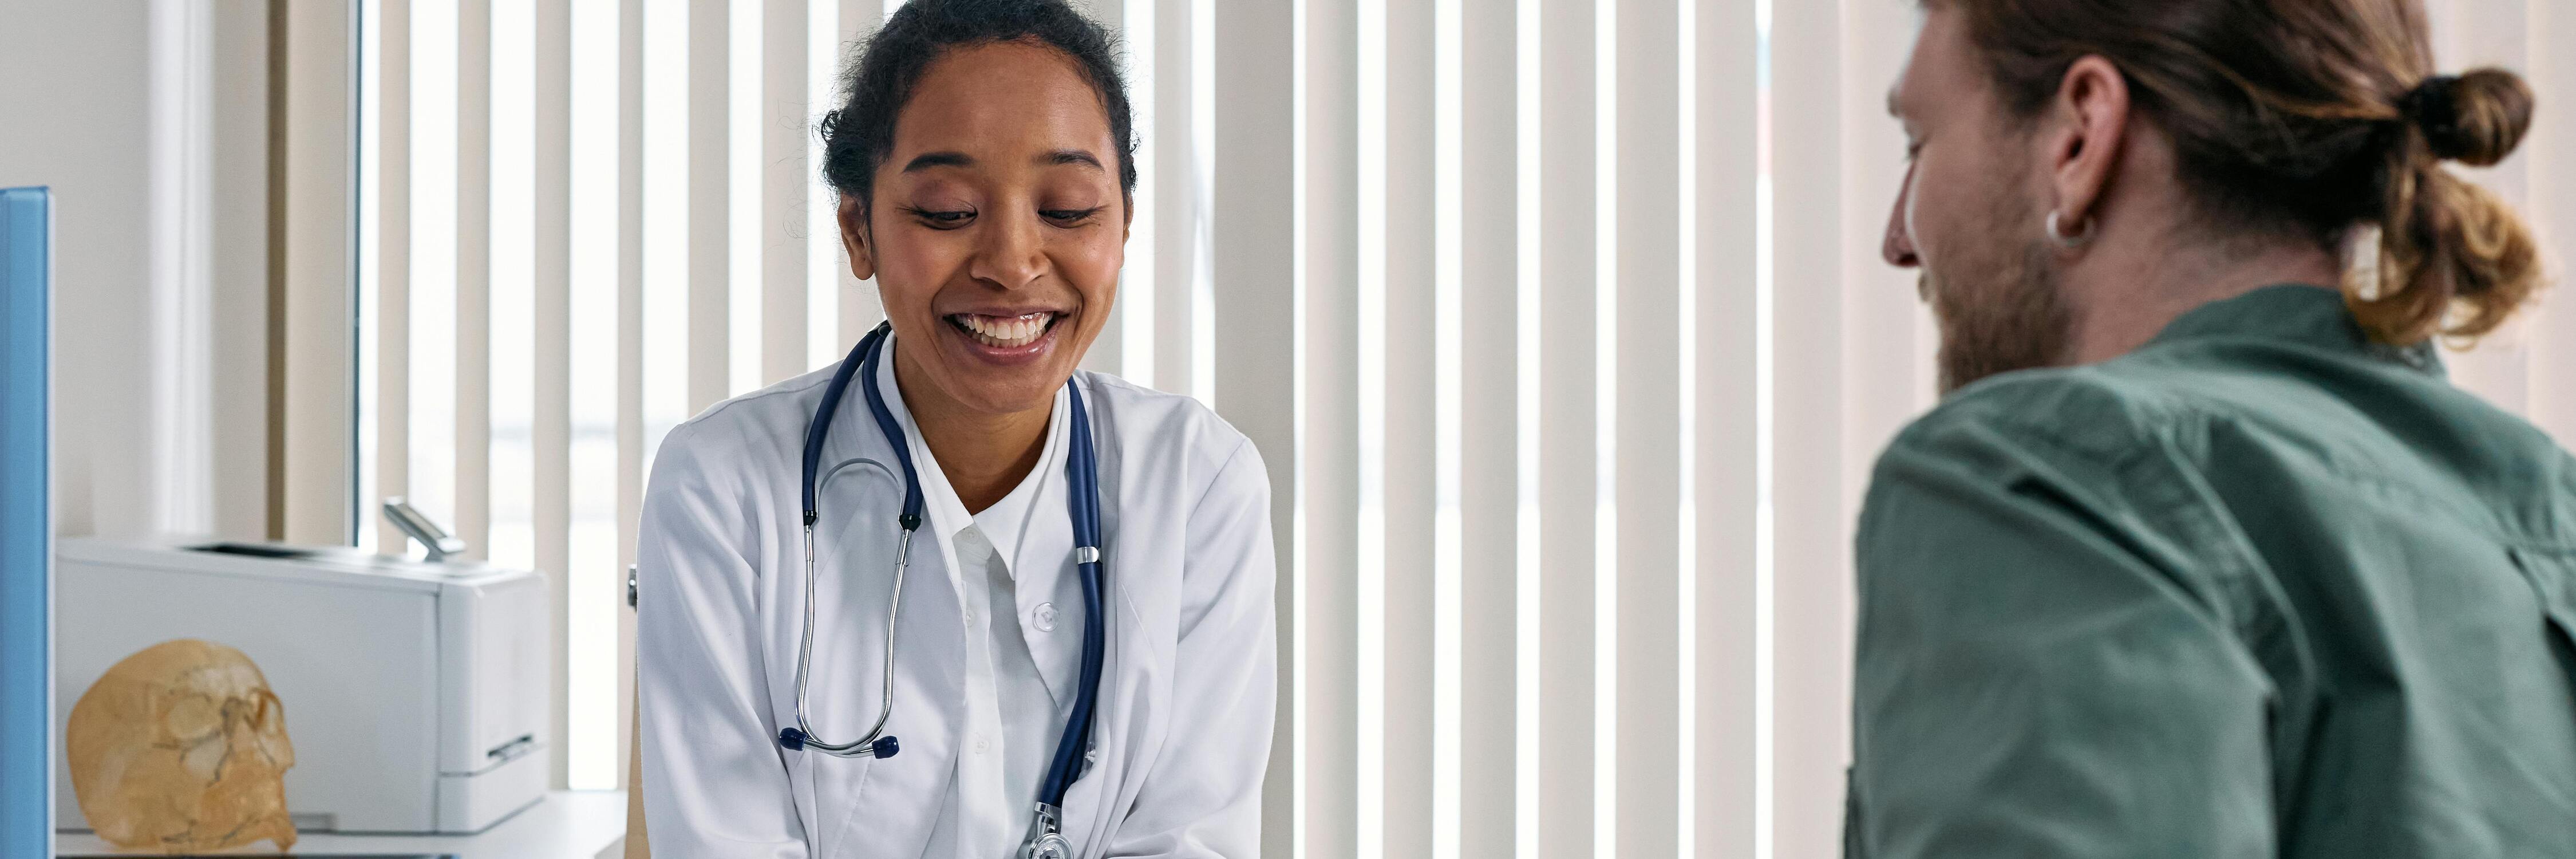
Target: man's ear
(2086, 140)
(855, 238)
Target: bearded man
(2201, 556)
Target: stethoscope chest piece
(1044, 841)
(1050, 846)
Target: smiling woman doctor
(988, 529)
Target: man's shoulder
(2365, 424)
(2095, 410)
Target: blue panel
(26, 528)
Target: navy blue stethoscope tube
(1082, 502)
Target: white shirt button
(970, 617)
(1045, 617)
(981, 744)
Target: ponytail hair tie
(2433, 109)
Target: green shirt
(2260, 588)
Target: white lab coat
(1185, 707)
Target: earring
(2085, 234)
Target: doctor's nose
(1012, 254)
(1899, 246)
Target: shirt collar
(2303, 314)
(1006, 521)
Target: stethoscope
(1082, 501)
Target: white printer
(416, 693)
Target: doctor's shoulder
(1167, 436)
(757, 433)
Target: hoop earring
(2070, 241)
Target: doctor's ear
(855, 238)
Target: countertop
(565, 825)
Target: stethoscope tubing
(862, 359)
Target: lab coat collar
(947, 513)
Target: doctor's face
(997, 227)
(1970, 215)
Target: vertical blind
(1560, 323)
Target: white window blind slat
(473, 331)
(1809, 659)
(1569, 491)
(1643, 305)
(1324, 683)
(1253, 192)
(552, 436)
(511, 365)
(746, 213)
(1480, 202)
(824, 263)
(385, 167)
(709, 210)
(630, 422)
(1409, 562)
(1446, 433)
(1529, 580)
(784, 180)
(1719, 92)
(1179, 252)
(434, 262)
(673, 225)
(577, 44)
(2553, 211)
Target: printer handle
(436, 540)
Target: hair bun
(2476, 119)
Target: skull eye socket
(193, 718)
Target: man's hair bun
(2475, 119)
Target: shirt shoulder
(2218, 414)
(2076, 414)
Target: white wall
(75, 115)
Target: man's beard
(2000, 310)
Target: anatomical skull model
(182, 748)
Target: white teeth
(1005, 331)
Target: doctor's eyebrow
(929, 160)
(1071, 156)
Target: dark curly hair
(879, 80)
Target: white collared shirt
(1187, 695)
(1013, 721)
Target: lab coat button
(1045, 617)
(981, 744)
